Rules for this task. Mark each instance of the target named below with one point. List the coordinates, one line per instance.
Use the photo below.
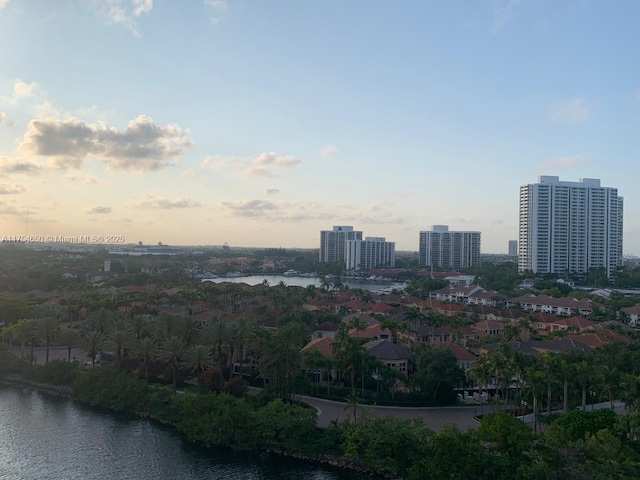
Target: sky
(260, 123)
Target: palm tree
(93, 343)
(47, 326)
(69, 338)
(217, 334)
(481, 372)
(348, 352)
(173, 349)
(583, 374)
(119, 339)
(358, 325)
(197, 359)
(608, 378)
(146, 349)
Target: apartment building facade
(569, 227)
(372, 252)
(443, 249)
(333, 243)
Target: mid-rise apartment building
(569, 227)
(372, 252)
(333, 243)
(443, 249)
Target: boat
(290, 273)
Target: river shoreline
(16, 381)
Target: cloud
(4, 3)
(271, 191)
(6, 189)
(328, 150)
(571, 111)
(143, 146)
(125, 12)
(89, 180)
(98, 209)
(260, 166)
(250, 208)
(18, 166)
(162, 203)
(2, 114)
(8, 209)
(22, 89)
(218, 162)
(188, 174)
(385, 220)
(218, 9)
(563, 163)
(277, 212)
(502, 12)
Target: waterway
(44, 437)
(305, 281)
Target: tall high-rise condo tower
(333, 243)
(445, 250)
(513, 248)
(569, 227)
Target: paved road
(55, 353)
(434, 417)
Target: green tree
(435, 368)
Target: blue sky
(260, 123)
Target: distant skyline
(262, 123)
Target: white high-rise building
(569, 227)
(333, 243)
(372, 252)
(448, 250)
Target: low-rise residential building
(391, 354)
(456, 293)
(564, 306)
(633, 313)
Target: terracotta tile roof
(323, 345)
(634, 310)
(461, 354)
(386, 350)
(381, 308)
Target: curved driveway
(434, 417)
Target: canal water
(274, 280)
(44, 437)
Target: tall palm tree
(146, 349)
(583, 375)
(94, 342)
(119, 339)
(173, 349)
(197, 359)
(69, 338)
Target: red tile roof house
(542, 321)
(323, 345)
(600, 338)
(375, 332)
(326, 330)
(490, 299)
(564, 306)
(464, 357)
(382, 308)
(489, 328)
(633, 313)
(391, 354)
(429, 334)
(580, 323)
(456, 293)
